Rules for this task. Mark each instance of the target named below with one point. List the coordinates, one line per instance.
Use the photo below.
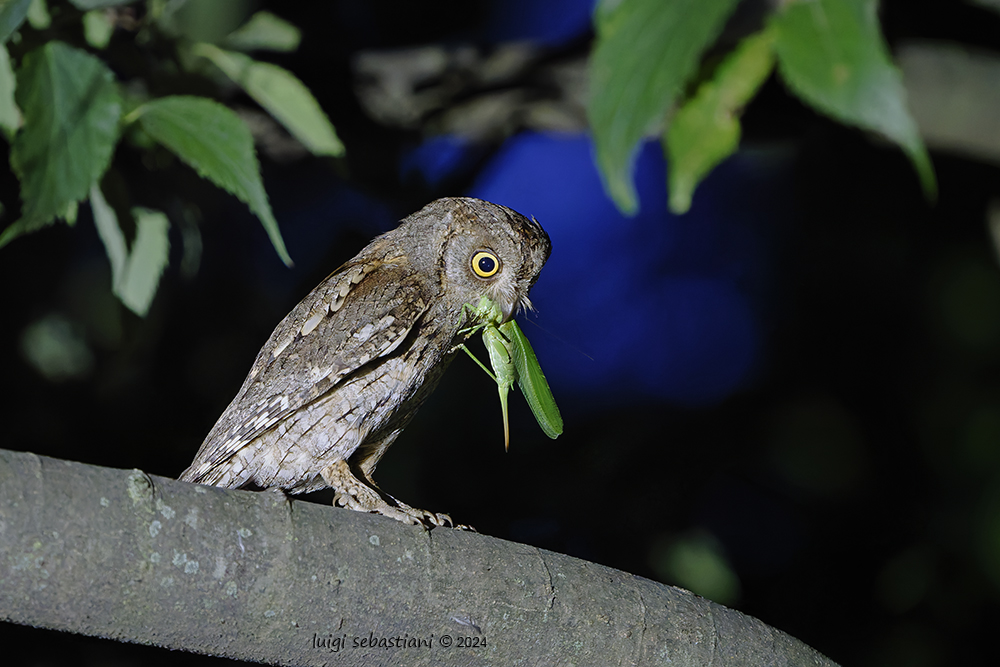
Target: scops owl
(343, 373)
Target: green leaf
(10, 115)
(217, 144)
(38, 15)
(532, 381)
(706, 130)
(20, 227)
(12, 15)
(110, 233)
(831, 53)
(71, 108)
(198, 21)
(98, 28)
(69, 211)
(149, 256)
(282, 94)
(645, 52)
(87, 5)
(266, 32)
(135, 275)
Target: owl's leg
(352, 493)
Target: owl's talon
(353, 494)
(441, 519)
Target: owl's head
(487, 250)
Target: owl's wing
(362, 312)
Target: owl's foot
(352, 493)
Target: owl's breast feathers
(360, 314)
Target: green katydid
(504, 369)
(513, 359)
(532, 381)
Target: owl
(346, 370)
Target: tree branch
(254, 576)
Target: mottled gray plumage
(345, 371)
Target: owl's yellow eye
(485, 264)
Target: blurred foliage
(65, 106)
(697, 562)
(645, 74)
(57, 348)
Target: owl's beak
(510, 299)
(508, 308)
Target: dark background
(796, 384)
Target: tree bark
(254, 576)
